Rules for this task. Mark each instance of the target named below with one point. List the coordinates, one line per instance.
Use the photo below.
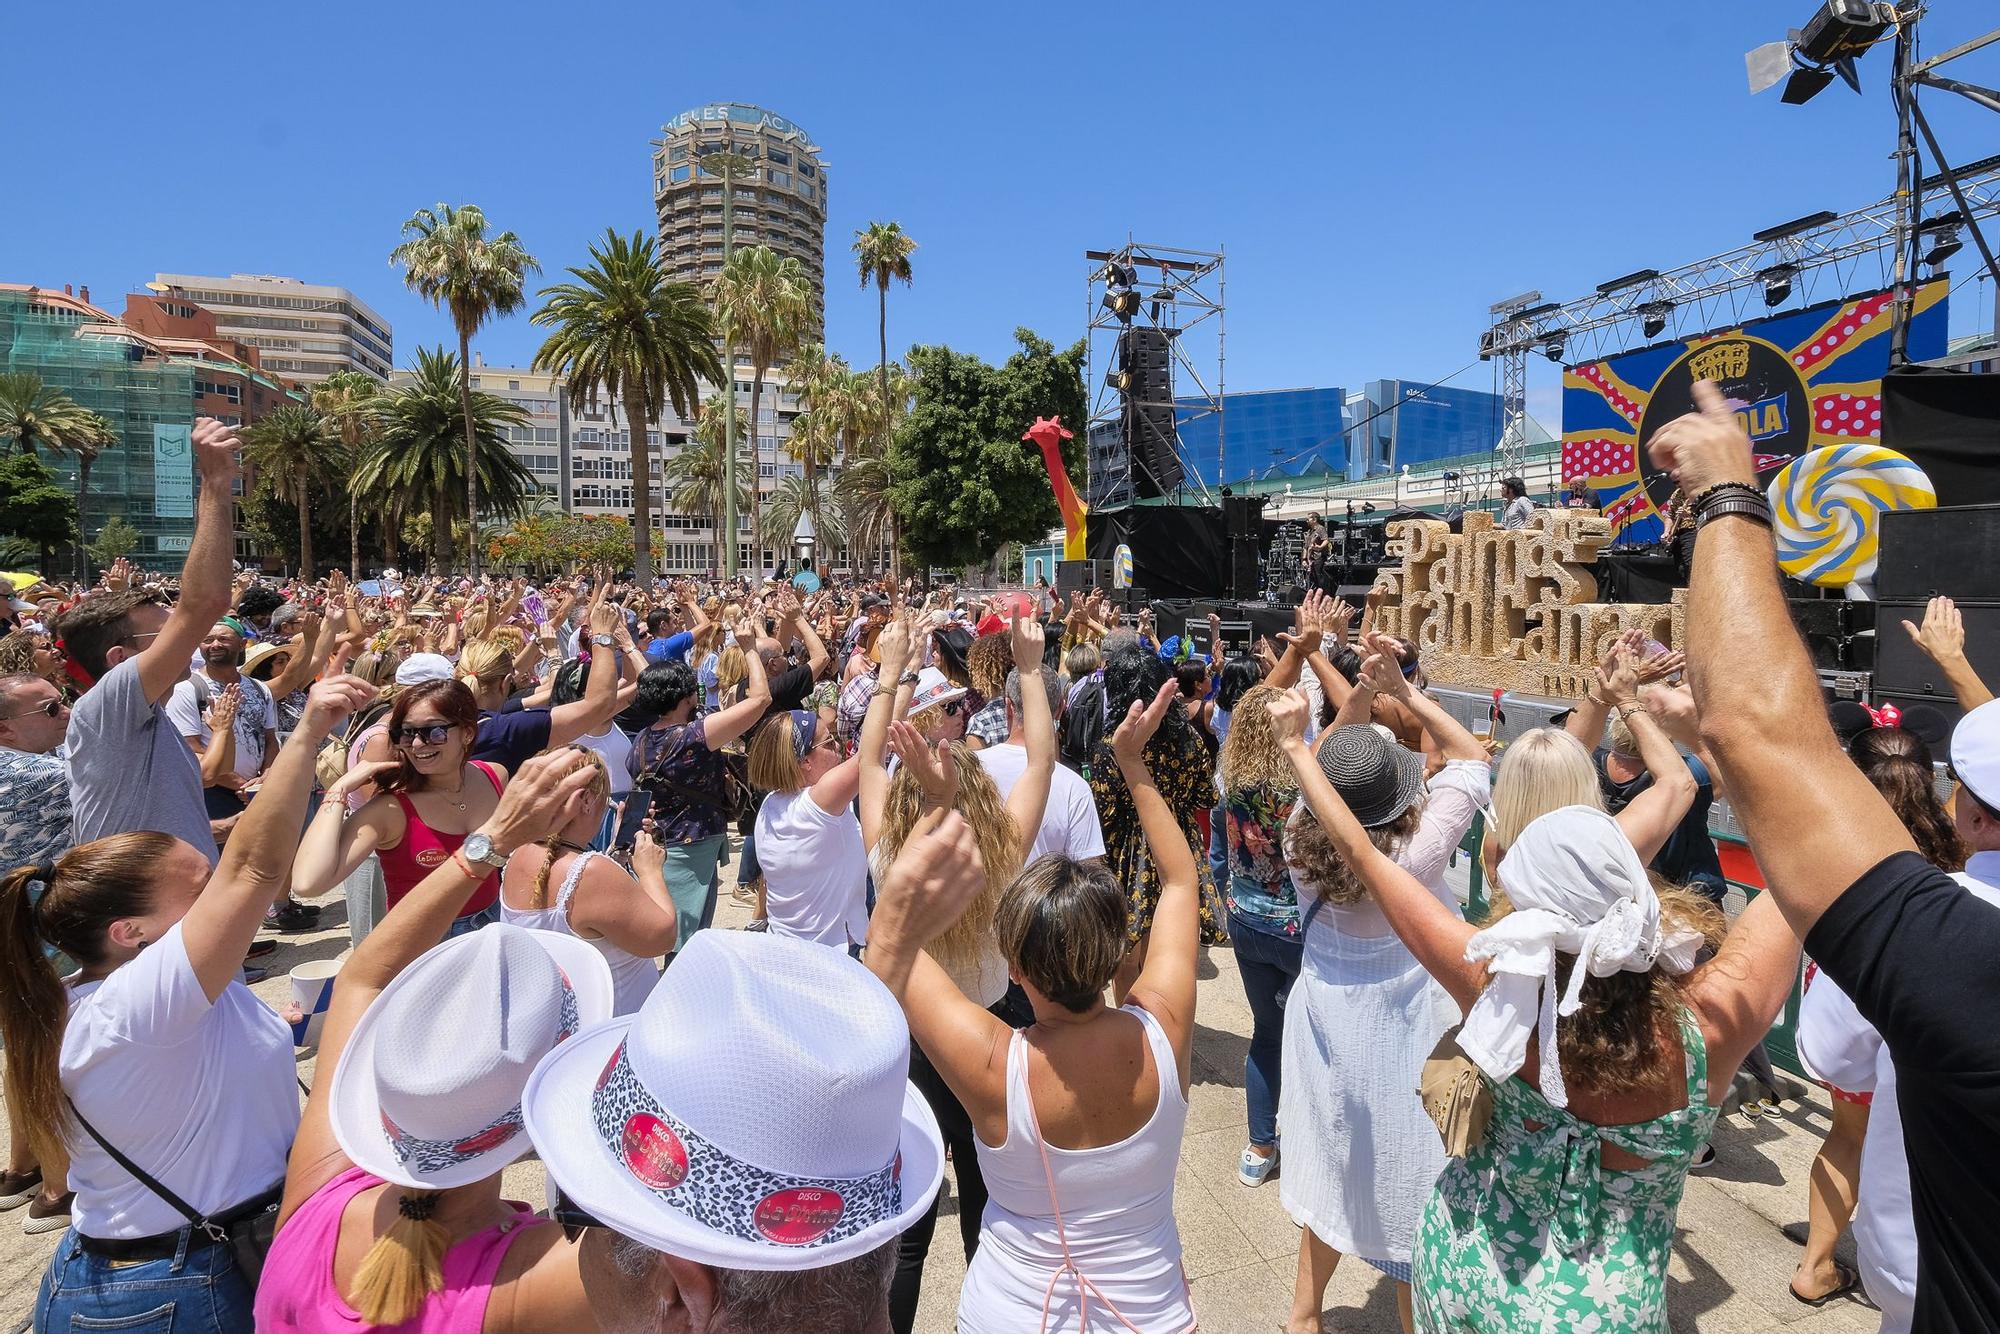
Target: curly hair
(1001, 848)
(1317, 865)
(987, 662)
(1899, 764)
(1250, 754)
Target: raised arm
(257, 863)
(205, 575)
(1650, 818)
(732, 722)
(1030, 796)
(1433, 932)
(334, 845)
(1301, 643)
(1383, 672)
(893, 646)
(639, 920)
(538, 800)
(1767, 728)
(1942, 638)
(801, 624)
(218, 757)
(1165, 985)
(1740, 991)
(588, 715)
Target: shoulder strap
(1696, 1048)
(179, 1206)
(1312, 911)
(569, 881)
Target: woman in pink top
(417, 1236)
(428, 799)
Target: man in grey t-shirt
(129, 768)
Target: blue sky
(1378, 175)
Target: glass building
(1269, 433)
(1393, 423)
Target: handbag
(1455, 1095)
(247, 1229)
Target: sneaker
(292, 919)
(1704, 1157)
(260, 948)
(1252, 1170)
(17, 1188)
(49, 1217)
(252, 976)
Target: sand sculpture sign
(1517, 611)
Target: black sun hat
(1377, 778)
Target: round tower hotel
(781, 205)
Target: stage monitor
(1797, 380)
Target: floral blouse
(1259, 888)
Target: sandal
(1849, 1281)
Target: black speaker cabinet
(1902, 669)
(1081, 576)
(1955, 552)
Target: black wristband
(1720, 489)
(1732, 504)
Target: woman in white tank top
(1079, 1117)
(596, 899)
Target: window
(677, 153)
(679, 173)
(779, 156)
(513, 384)
(777, 177)
(807, 169)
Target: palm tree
(869, 425)
(882, 251)
(763, 301)
(295, 448)
(416, 464)
(350, 400)
(863, 493)
(623, 330)
(697, 477)
(825, 429)
(449, 260)
(795, 496)
(35, 415)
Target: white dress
(633, 977)
(1361, 1155)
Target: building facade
(304, 331)
(1269, 433)
(150, 375)
(782, 205)
(1396, 423)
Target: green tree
(35, 415)
(831, 410)
(964, 480)
(882, 252)
(296, 449)
(350, 400)
(115, 539)
(795, 496)
(763, 304)
(417, 460)
(450, 261)
(695, 475)
(33, 507)
(621, 329)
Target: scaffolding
(131, 386)
(1185, 308)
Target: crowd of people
(983, 842)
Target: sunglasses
(431, 735)
(953, 709)
(48, 708)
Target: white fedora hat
(428, 1093)
(933, 687)
(756, 1113)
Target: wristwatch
(603, 641)
(479, 848)
(907, 679)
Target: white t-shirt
(614, 746)
(256, 718)
(815, 870)
(1069, 822)
(201, 1096)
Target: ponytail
(405, 1265)
(33, 1010)
(599, 789)
(1907, 785)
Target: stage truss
(1879, 246)
(1181, 294)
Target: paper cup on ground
(312, 991)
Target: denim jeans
(367, 899)
(466, 925)
(1268, 965)
(198, 1291)
(1218, 845)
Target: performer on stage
(1519, 508)
(1580, 496)
(1678, 533)
(1318, 547)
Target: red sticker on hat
(653, 1152)
(486, 1139)
(799, 1216)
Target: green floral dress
(1529, 1231)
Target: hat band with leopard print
(722, 1192)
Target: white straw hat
(933, 687)
(428, 1093)
(756, 1113)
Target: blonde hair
(484, 663)
(377, 669)
(509, 635)
(774, 761)
(406, 1263)
(1001, 847)
(1250, 756)
(1544, 770)
(600, 790)
(730, 672)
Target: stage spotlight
(1655, 321)
(1946, 245)
(1835, 36)
(1119, 380)
(1553, 347)
(1777, 282)
(1122, 302)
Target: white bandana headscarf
(1578, 888)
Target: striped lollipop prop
(1827, 506)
